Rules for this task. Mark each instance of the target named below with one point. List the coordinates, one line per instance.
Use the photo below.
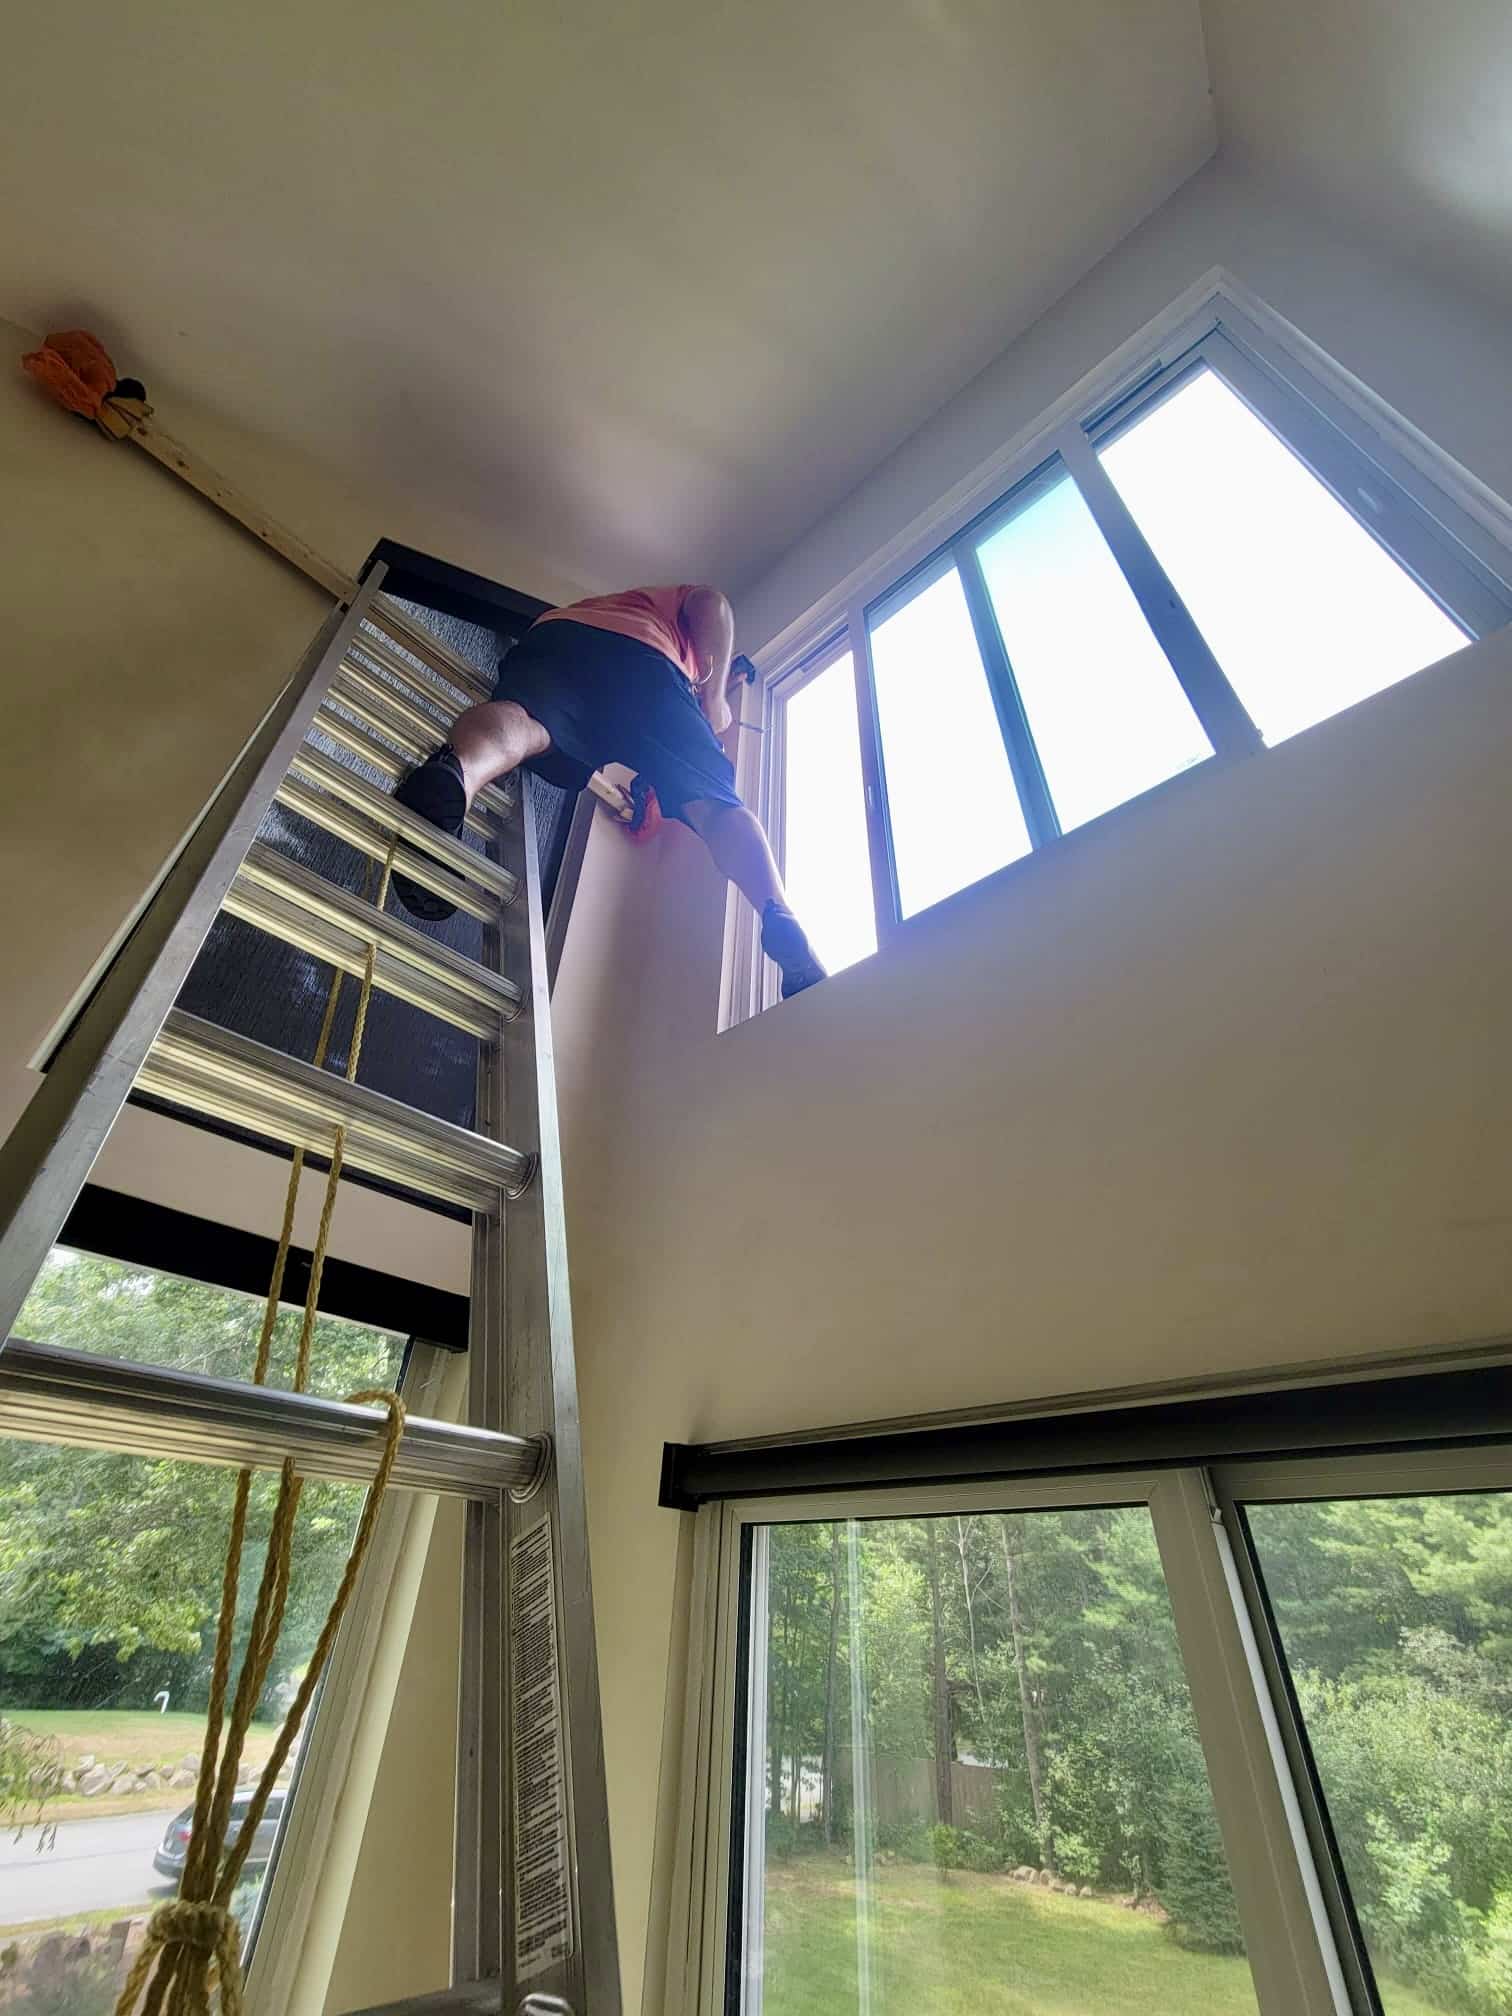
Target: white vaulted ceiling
(1393, 115)
(648, 288)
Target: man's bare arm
(710, 625)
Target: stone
(86, 1762)
(120, 1770)
(183, 1778)
(1023, 1874)
(149, 1781)
(1046, 1879)
(47, 1959)
(1085, 1890)
(94, 1781)
(68, 1781)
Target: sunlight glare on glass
(1104, 707)
(950, 793)
(827, 866)
(1304, 611)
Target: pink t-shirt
(652, 616)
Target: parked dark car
(173, 1851)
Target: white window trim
(1296, 1966)
(1296, 1963)
(1468, 508)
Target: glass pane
(827, 865)
(950, 793)
(105, 1306)
(1107, 715)
(110, 1570)
(1305, 612)
(1396, 1618)
(978, 1778)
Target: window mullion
(1216, 704)
(1293, 1735)
(1023, 757)
(885, 900)
(1293, 1953)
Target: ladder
(533, 1917)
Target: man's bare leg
(487, 743)
(493, 739)
(742, 853)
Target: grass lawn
(967, 1945)
(137, 1736)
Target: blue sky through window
(1107, 714)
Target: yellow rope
(193, 1943)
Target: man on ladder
(642, 679)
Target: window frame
(1448, 530)
(1263, 1481)
(1295, 1963)
(1306, 1952)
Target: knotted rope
(194, 1939)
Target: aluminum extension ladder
(533, 1931)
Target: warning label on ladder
(542, 1891)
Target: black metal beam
(414, 576)
(1404, 1411)
(143, 1234)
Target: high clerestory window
(1222, 549)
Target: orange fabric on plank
(652, 616)
(75, 368)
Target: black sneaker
(784, 940)
(434, 790)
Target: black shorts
(604, 698)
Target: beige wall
(144, 636)
(396, 1938)
(1221, 1083)
(1436, 355)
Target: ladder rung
(288, 902)
(385, 811)
(331, 815)
(359, 742)
(49, 1393)
(418, 679)
(386, 616)
(410, 727)
(213, 1071)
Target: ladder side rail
(47, 1158)
(541, 1399)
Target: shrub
(907, 1837)
(1488, 1964)
(1194, 1880)
(31, 1772)
(957, 1848)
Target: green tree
(110, 1565)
